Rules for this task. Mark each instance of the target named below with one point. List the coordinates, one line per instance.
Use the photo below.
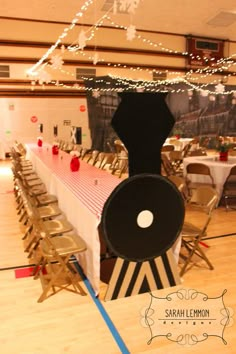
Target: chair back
(93, 157)
(195, 169)
(176, 155)
(186, 149)
(83, 153)
(104, 158)
(204, 200)
(232, 173)
(178, 145)
(120, 147)
(229, 189)
(198, 169)
(175, 159)
(167, 148)
(21, 148)
(198, 152)
(232, 152)
(205, 197)
(167, 166)
(179, 182)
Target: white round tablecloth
(219, 169)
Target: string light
(128, 84)
(32, 71)
(220, 66)
(145, 40)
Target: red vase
(223, 156)
(74, 164)
(55, 150)
(40, 142)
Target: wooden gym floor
(69, 323)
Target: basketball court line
(22, 271)
(104, 314)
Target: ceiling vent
(223, 19)
(4, 71)
(108, 5)
(159, 75)
(85, 72)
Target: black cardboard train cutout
(143, 216)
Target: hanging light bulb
(220, 88)
(204, 93)
(212, 98)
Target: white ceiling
(172, 16)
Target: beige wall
(16, 113)
(156, 46)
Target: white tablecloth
(219, 169)
(81, 195)
(179, 143)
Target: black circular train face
(142, 217)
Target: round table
(179, 144)
(219, 169)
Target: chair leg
(195, 249)
(28, 232)
(33, 249)
(40, 265)
(22, 216)
(34, 241)
(189, 257)
(226, 203)
(203, 256)
(48, 283)
(50, 280)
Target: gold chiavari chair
(200, 207)
(198, 170)
(54, 221)
(229, 190)
(54, 269)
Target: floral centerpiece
(223, 151)
(177, 132)
(40, 141)
(74, 163)
(224, 147)
(55, 148)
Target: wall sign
(11, 107)
(34, 119)
(204, 51)
(82, 108)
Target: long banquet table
(81, 196)
(219, 169)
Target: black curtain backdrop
(195, 114)
(202, 115)
(101, 109)
(143, 121)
